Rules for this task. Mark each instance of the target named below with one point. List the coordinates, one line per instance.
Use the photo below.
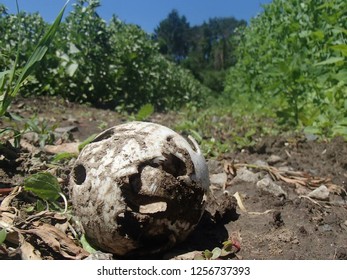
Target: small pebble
(273, 159)
(321, 193)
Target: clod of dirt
(341, 253)
(277, 219)
(139, 188)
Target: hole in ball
(79, 174)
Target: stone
(219, 179)
(260, 162)
(214, 166)
(273, 159)
(268, 186)
(321, 193)
(31, 137)
(66, 129)
(244, 175)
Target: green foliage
(64, 156)
(207, 50)
(220, 129)
(229, 247)
(3, 235)
(11, 80)
(292, 65)
(143, 76)
(20, 126)
(86, 245)
(86, 141)
(110, 65)
(44, 131)
(145, 112)
(44, 185)
(173, 36)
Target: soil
(282, 220)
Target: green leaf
(71, 69)
(3, 235)
(29, 209)
(144, 112)
(44, 185)
(3, 80)
(199, 257)
(34, 59)
(63, 156)
(86, 142)
(86, 246)
(39, 51)
(216, 253)
(318, 35)
(331, 60)
(342, 48)
(312, 130)
(208, 254)
(196, 135)
(40, 206)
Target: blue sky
(148, 13)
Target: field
(278, 222)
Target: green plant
(45, 186)
(292, 65)
(229, 247)
(3, 235)
(64, 157)
(86, 141)
(144, 113)
(220, 129)
(12, 80)
(20, 126)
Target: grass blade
(39, 51)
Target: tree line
(207, 50)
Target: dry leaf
(8, 199)
(28, 252)
(239, 202)
(63, 148)
(7, 216)
(243, 208)
(58, 241)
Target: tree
(173, 36)
(212, 50)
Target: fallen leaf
(63, 148)
(239, 202)
(57, 241)
(8, 199)
(243, 208)
(27, 251)
(7, 216)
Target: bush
(107, 65)
(292, 61)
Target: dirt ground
(262, 197)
